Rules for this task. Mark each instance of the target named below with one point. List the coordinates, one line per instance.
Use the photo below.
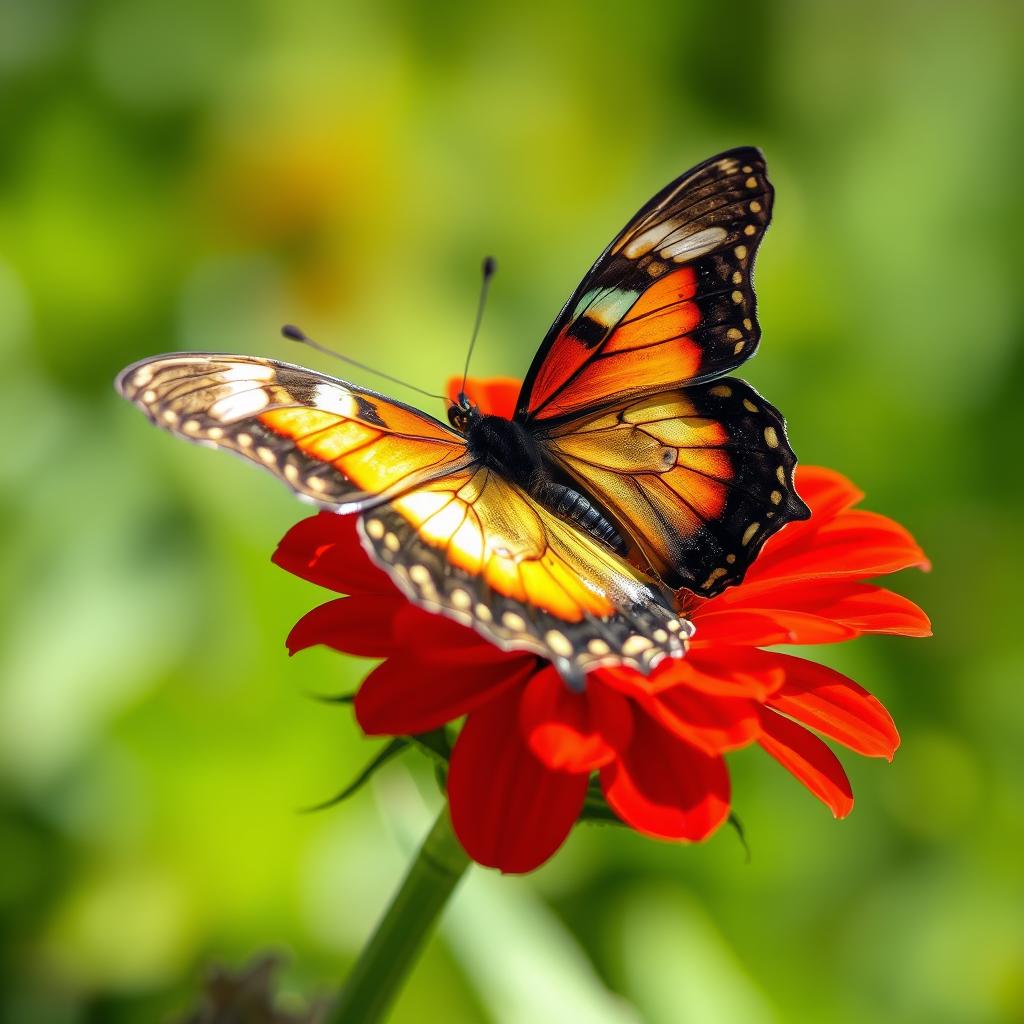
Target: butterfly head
(462, 412)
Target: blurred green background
(183, 174)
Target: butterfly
(633, 477)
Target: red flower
(523, 761)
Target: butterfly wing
(476, 547)
(339, 446)
(698, 477)
(455, 538)
(669, 302)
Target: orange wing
(339, 446)
(479, 549)
(698, 478)
(669, 302)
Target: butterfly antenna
(488, 268)
(293, 333)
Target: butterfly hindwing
(669, 302)
(339, 446)
(477, 548)
(698, 477)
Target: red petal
(574, 732)
(855, 545)
(759, 627)
(715, 724)
(437, 640)
(835, 706)
(325, 550)
(857, 606)
(403, 695)
(665, 787)
(496, 396)
(825, 491)
(809, 760)
(718, 671)
(509, 811)
(362, 625)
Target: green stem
(388, 957)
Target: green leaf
(396, 746)
(595, 807)
(741, 833)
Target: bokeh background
(183, 174)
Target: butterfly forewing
(334, 444)
(669, 302)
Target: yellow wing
(479, 549)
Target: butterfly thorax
(510, 449)
(507, 447)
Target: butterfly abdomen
(579, 509)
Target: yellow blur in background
(178, 174)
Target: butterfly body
(510, 448)
(632, 474)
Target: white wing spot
(771, 438)
(331, 398)
(635, 645)
(748, 533)
(512, 621)
(716, 574)
(374, 529)
(240, 404)
(558, 642)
